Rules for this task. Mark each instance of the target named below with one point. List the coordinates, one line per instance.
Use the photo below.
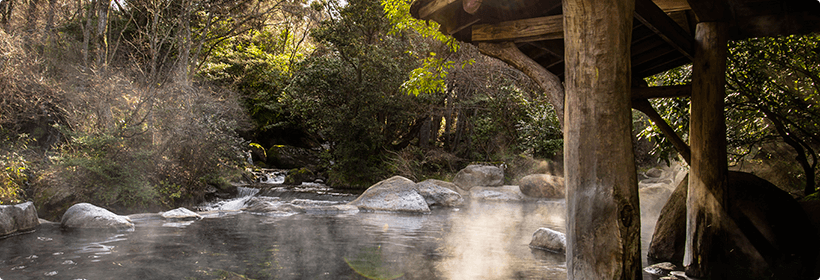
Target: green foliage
(771, 95)
(258, 66)
(539, 133)
(674, 110)
(14, 176)
(349, 93)
(110, 172)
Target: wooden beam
(434, 7)
(532, 29)
(645, 107)
(710, 10)
(655, 19)
(661, 92)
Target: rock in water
(547, 239)
(542, 186)
(181, 214)
(660, 269)
(479, 176)
(85, 215)
(394, 194)
(503, 193)
(446, 184)
(435, 194)
(18, 218)
(670, 230)
(778, 238)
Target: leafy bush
(15, 173)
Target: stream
(480, 240)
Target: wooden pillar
(707, 199)
(603, 215)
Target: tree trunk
(102, 27)
(603, 213)
(549, 83)
(707, 200)
(87, 31)
(184, 44)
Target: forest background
(142, 105)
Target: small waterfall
(246, 192)
(242, 196)
(271, 176)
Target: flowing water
(480, 240)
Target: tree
(348, 91)
(772, 95)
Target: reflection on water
(477, 241)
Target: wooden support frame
(525, 30)
(661, 92)
(655, 19)
(603, 211)
(708, 177)
(434, 7)
(645, 107)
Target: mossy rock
(299, 175)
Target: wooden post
(707, 199)
(603, 215)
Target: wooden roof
(662, 35)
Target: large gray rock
(547, 239)
(18, 218)
(542, 186)
(503, 193)
(779, 239)
(181, 214)
(437, 195)
(395, 194)
(87, 216)
(446, 184)
(670, 230)
(479, 176)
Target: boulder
(770, 232)
(503, 193)
(542, 186)
(18, 218)
(298, 175)
(670, 230)
(87, 216)
(436, 195)
(446, 184)
(547, 239)
(479, 176)
(180, 214)
(395, 194)
(257, 153)
(661, 269)
(654, 173)
(288, 157)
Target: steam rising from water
(483, 244)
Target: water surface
(481, 240)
